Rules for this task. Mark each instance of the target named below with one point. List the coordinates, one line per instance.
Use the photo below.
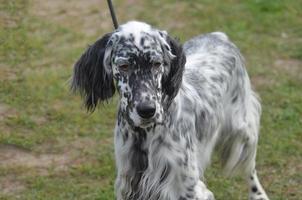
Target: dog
(178, 103)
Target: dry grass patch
(6, 111)
(90, 17)
(9, 185)
(262, 81)
(14, 156)
(292, 67)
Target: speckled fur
(204, 102)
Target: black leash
(112, 14)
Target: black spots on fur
(131, 37)
(190, 196)
(118, 87)
(154, 126)
(163, 143)
(126, 95)
(234, 99)
(215, 91)
(202, 118)
(190, 188)
(187, 105)
(186, 159)
(120, 119)
(166, 47)
(182, 198)
(125, 136)
(197, 80)
(123, 80)
(217, 79)
(204, 63)
(189, 143)
(140, 133)
(161, 34)
(180, 163)
(132, 81)
(166, 171)
(236, 95)
(183, 177)
(254, 189)
(175, 136)
(229, 64)
(142, 41)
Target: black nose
(146, 109)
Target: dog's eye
(156, 64)
(124, 67)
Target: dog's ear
(92, 75)
(172, 79)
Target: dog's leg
(256, 191)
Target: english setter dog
(177, 105)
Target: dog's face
(146, 65)
(138, 63)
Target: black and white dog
(177, 104)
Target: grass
(50, 148)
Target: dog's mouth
(145, 123)
(136, 121)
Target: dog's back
(219, 88)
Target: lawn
(51, 148)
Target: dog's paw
(203, 193)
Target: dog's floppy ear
(93, 74)
(172, 80)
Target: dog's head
(147, 67)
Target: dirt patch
(84, 143)
(25, 163)
(7, 21)
(14, 156)
(9, 185)
(261, 81)
(3, 110)
(72, 154)
(39, 120)
(90, 17)
(7, 74)
(292, 67)
(6, 111)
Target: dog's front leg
(122, 148)
(131, 161)
(173, 169)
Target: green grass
(40, 118)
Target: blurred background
(51, 148)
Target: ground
(51, 148)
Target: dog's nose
(146, 109)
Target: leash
(112, 14)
